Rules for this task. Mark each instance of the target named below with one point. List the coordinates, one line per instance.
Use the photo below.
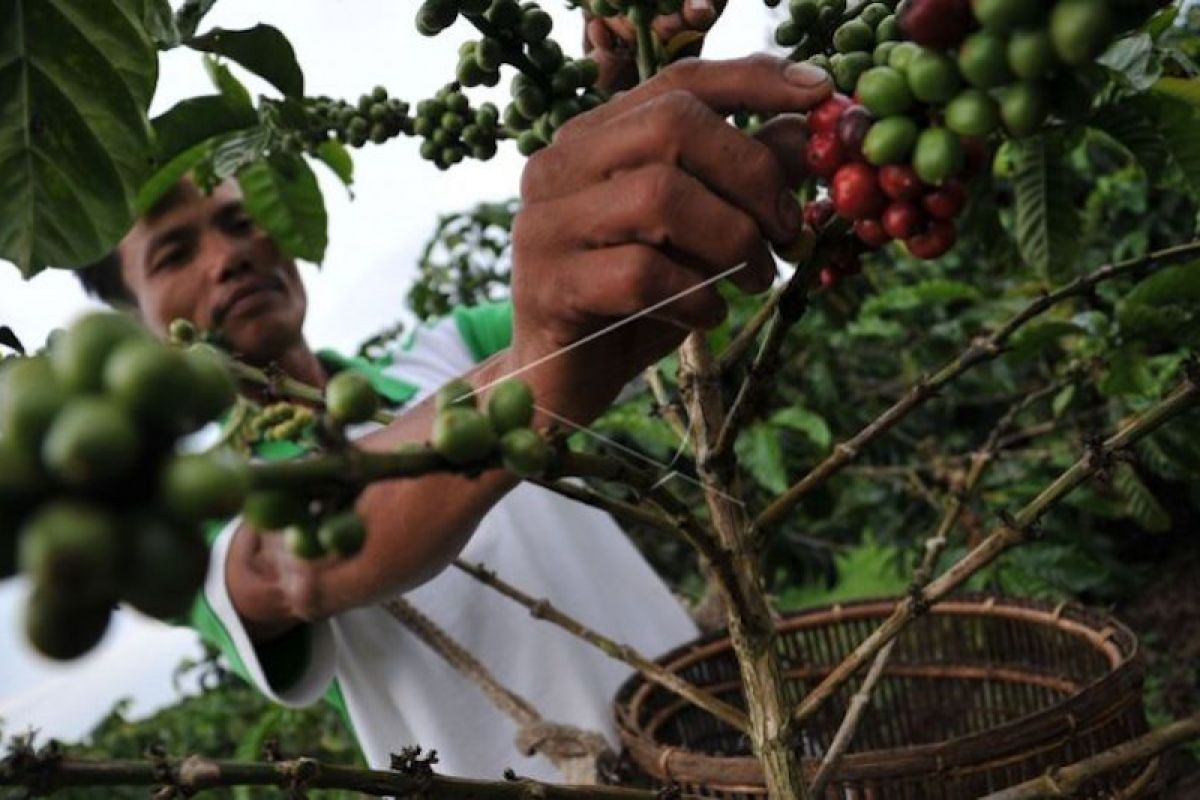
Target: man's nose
(230, 257)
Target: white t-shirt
(398, 692)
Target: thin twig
(745, 338)
(982, 349)
(1016, 530)
(1066, 781)
(277, 384)
(197, 773)
(845, 733)
(669, 411)
(791, 306)
(542, 609)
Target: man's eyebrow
(228, 209)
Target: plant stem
(982, 349)
(751, 626)
(792, 303)
(542, 609)
(669, 411)
(647, 63)
(1016, 530)
(197, 773)
(278, 384)
(1066, 781)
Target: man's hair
(103, 280)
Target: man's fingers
(786, 136)
(700, 14)
(758, 83)
(631, 278)
(667, 209)
(738, 168)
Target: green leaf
(1140, 503)
(1164, 308)
(1035, 339)
(1127, 373)
(759, 452)
(1132, 125)
(1178, 121)
(1062, 400)
(1185, 89)
(809, 423)
(196, 119)
(282, 195)
(10, 340)
(1161, 22)
(1047, 219)
(263, 50)
(170, 174)
(190, 14)
(225, 82)
(160, 24)
(920, 295)
(334, 155)
(76, 78)
(237, 150)
(1133, 61)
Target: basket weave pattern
(980, 693)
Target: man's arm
(635, 207)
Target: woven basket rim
(1099, 699)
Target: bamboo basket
(980, 693)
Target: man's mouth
(242, 293)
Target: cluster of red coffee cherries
(883, 203)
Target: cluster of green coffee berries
(451, 130)
(548, 90)
(466, 437)
(375, 118)
(96, 505)
(538, 108)
(817, 26)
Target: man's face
(201, 258)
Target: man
(636, 203)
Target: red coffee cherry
(871, 233)
(824, 154)
(856, 193)
(935, 242)
(903, 220)
(900, 182)
(938, 24)
(946, 202)
(852, 130)
(824, 118)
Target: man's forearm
(416, 526)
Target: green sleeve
(486, 328)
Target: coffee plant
(1001, 198)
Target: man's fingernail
(807, 75)
(790, 214)
(700, 5)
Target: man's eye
(172, 258)
(241, 224)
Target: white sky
(346, 47)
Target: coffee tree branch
(982, 349)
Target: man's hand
(641, 202)
(612, 41)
